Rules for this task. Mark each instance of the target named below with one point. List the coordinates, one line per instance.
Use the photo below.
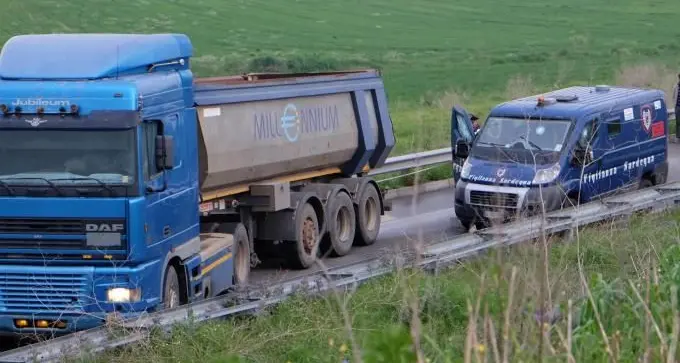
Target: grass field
(610, 290)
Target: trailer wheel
(303, 251)
(241, 255)
(368, 216)
(171, 293)
(341, 224)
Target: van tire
(645, 183)
(569, 202)
(466, 223)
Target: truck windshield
(521, 140)
(63, 159)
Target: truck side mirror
(165, 155)
(462, 149)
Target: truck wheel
(368, 216)
(171, 293)
(303, 251)
(341, 224)
(241, 255)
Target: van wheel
(171, 293)
(646, 183)
(368, 216)
(569, 202)
(303, 252)
(341, 225)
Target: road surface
(431, 219)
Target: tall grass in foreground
(608, 295)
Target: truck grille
(506, 200)
(28, 292)
(42, 243)
(41, 226)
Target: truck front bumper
(480, 202)
(58, 300)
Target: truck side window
(149, 132)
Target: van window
(613, 127)
(587, 136)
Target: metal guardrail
(433, 257)
(414, 160)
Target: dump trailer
(129, 186)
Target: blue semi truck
(128, 186)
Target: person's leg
(677, 124)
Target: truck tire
(171, 293)
(241, 255)
(302, 252)
(341, 225)
(368, 216)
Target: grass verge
(609, 294)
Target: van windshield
(521, 140)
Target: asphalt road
(429, 218)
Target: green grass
(627, 272)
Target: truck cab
(98, 192)
(546, 152)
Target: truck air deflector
(89, 56)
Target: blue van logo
(646, 112)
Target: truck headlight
(123, 295)
(548, 175)
(465, 170)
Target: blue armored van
(542, 153)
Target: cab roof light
(543, 101)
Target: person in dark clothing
(676, 100)
(475, 123)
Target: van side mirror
(165, 155)
(462, 149)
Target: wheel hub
(308, 235)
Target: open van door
(462, 135)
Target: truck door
(461, 131)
